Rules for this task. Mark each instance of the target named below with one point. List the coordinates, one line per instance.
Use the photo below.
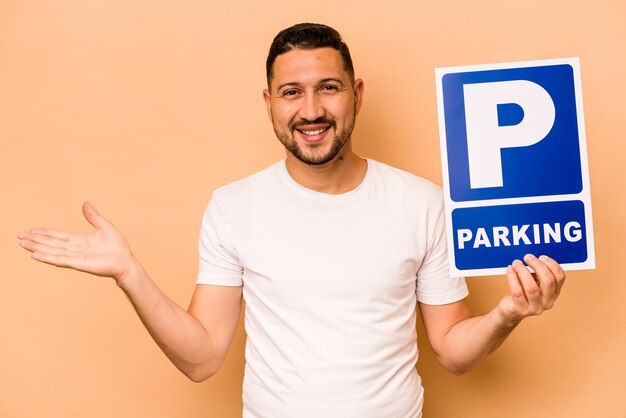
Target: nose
(312, 107)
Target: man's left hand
(531, 293)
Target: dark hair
(308, 36)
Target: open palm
(104, 252)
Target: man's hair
(307, 36)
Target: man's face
(312, 103)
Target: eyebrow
(326, 80)
(322, 81)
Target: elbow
(197, 377)
(457, 369)
(200, 373)
(201, 367)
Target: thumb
(93, 217)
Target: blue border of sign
(537, 195)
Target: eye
(329, 88)
(289, 93)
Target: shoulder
(237, 201)
(405, 183)
(249, 186)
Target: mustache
(305, 122)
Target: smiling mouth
(313, 132)
(313, 129)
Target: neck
(344, 173)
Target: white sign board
(515, 170)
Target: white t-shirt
(330, 284)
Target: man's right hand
(196, 341)
(104, 252)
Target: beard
(313, 154)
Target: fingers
(545, 280)
(93, 217)
(58, 260)
(47, 250)
(530, 304)
(35, 247)
(44, 233)
(46, 237)
(530, 285)
(515, 286)
(557, 272)
(45, 240)
(535, 293)
(100, 252)
(54, 238)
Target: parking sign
(514, 165)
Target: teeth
(311, 133)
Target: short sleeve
(434, 284)
(218, 261)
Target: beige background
(144, 107)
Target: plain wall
(144, 107)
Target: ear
(268, 102)
(359, 90)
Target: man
(332, 253)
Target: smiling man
(310, 94)
(312, 100)
(332, 253)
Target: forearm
(472, 339)
(180, 336)
(460, 340)
(196, 341)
